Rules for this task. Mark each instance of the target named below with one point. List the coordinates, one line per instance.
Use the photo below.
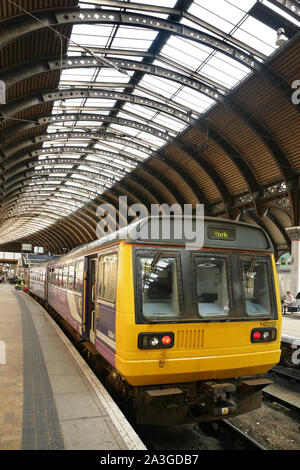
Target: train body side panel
(37, 288)
(66, 304)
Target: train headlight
(156, 340)
(266, 335)
(263, 335)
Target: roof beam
(11, 30)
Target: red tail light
(257, 335)
(166, 340)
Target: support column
(294, 234)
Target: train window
(107, 279)
(71, 277)
(65, 277)
(60, 277)
(159, 284)
(212, 286)
(51, 276)
(256, 288)
(56, 276)
(78, 281)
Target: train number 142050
(269, 323)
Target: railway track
(287, 373)
(286, 388)
(218, 435)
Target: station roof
(182, 102)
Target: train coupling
(221, 400)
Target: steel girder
(233, 154)
(179, 12)
(78, 150)
(196, 84)
(54, 95)
(14, 160)
(205, 165)
(258, 220)
(291, 7)
(278, 224)
(21, 25)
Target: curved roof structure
(173, 102)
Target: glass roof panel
(219, 13)
(193, 99)
(134, 38)
(53, 171)
(91, 35)
(184, 50)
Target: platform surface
(49, 397)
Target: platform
(291, 325)
(49, 397)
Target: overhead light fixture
(281, 37)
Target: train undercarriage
(183, 403)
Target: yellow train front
(196, 327)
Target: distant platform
(50, 399)
(291, 325)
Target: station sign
(26, 247)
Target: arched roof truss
(167, 102)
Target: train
(183, 332)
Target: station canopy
(173, 101)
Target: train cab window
(78, 280)
(71, 277)
(212, 286)
(159, 287)
(256, 287)
(107, 279)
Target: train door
(91, 327)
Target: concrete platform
(49, 397)
(291, 325)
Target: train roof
(153, 230)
